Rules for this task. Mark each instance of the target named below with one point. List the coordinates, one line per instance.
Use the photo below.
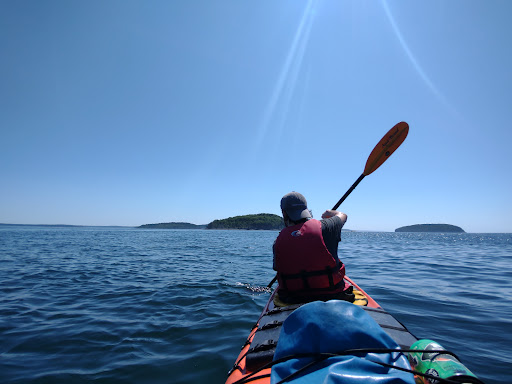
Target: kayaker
(306, 254)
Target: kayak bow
(255, 361)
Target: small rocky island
(172, 226)
(431, 228)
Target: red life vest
(303, 263)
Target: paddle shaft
(348, 192)
(272, 282)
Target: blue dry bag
(333, 327)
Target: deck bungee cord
(320, 357)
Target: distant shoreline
(240, 229)
(65, 225)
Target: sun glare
(413, 59)
(277, 110)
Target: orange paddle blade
(386, 146)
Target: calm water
(114, 305)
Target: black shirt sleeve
(274, 256)
(331, 232)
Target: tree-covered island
(265, 221)
(431, 228)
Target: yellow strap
(359, 300)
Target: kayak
(282, 326)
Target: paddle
(384, 148)
(272, 282)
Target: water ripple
(103, 305)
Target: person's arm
(274, 256)
(332, 223)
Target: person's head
(295, 208)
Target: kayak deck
(260, 346)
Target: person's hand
(331, 213)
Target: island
(261, 221)
(172, 226)
(431, 228)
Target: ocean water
(123, 305)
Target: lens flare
(413, 59)
(277, 110)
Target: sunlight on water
(253, 288)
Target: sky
(124, 112)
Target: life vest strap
(305, 295)
(304, 275)
(327, 271)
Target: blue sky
(133, 112)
